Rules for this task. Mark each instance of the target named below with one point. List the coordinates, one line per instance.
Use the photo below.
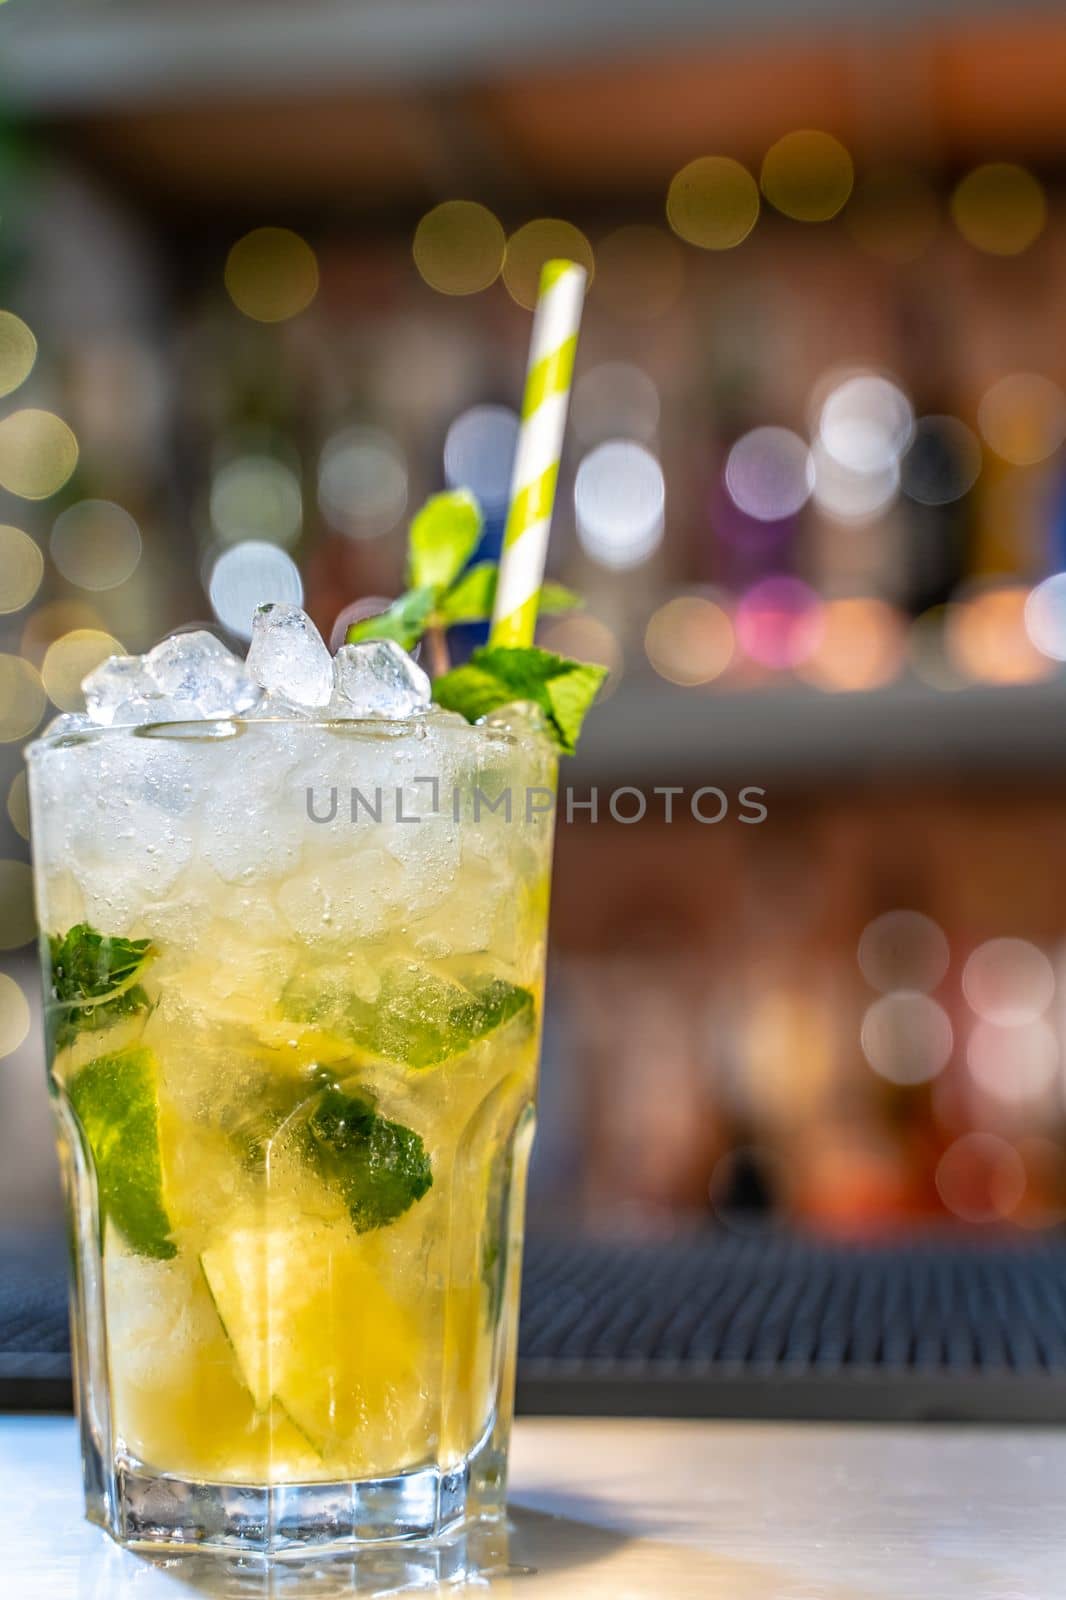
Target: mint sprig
(92, 981)
(500, 675)
(442, 538)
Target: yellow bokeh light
(95, 544)
(271, 274)
(689, 640)
(49, 622)
(713, 202)
(893, 214)
(71, 658)
(459, 247)
(545, 239)
(1023, 418)
(18, 804)
(38, 453)
(21, 568)
(807, 175)
(987, 640)
(18, 923)
(14, 1015)
(640, 272)
(18, 351)
(1000, 208)
(862, 646)
(587, 639)
(22, 698)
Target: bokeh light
(865, 422)
(18, 923)
(689, 640)
(988, 639)
(619, 501)
(927, 649)
(249, 575)
(95, 544)
(769, 473)
(14, 1015)
(256, 497)
(545, 239)
(1045, 616)
(587, 638)
(38, 453)
(271, 274)
(1013, 1064)
(22, 698)
(18, 351)
(1000, 208)
(18, 804)
(21, 568)
(807, 175)
(362, 482)
(893, 214)
(713, 202)
(1008, 982)
(459, 247)
(903, 950)
(479, 451)
(942, 463)
(981, 1178)
(861, 646)
(850, 496)
(907, 1037)
(615, 400)
(779, 622)
(71, 658)
(50, 621)
(1023, 418)
(640, 272)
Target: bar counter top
(618, 1509)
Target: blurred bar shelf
(653, 734)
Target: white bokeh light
(903, 950)
(866, 423)
(619, 501)
(478, 452)
(362, 482)
(1045, 616)
(1008, 982)
(1013, 1064)
(615, 398)
(248, 575)
(769, 473)
(907, 1037)
(848, 495)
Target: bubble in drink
(287, 655)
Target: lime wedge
(419, 1018)
(314, 1330)
(114, 1099)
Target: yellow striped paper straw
(540, 443)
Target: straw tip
(552, 271)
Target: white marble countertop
(620, 1510)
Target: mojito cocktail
(293, 967)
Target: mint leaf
(404, 622)
(418, 1019)
(472, 597)
(380, 1168)
(92, 981)
(500, 675)
(442, 538)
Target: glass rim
(210, 730)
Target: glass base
(147, 1510)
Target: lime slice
(315, 1330)
(114, 1099)
(418, 1019)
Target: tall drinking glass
(293, 976)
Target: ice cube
(114, 682)
(196, 669)
(378, 679)
(141, 709)
(67, 724)
(288, 656)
